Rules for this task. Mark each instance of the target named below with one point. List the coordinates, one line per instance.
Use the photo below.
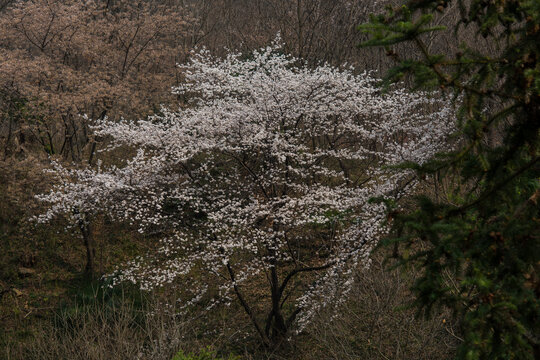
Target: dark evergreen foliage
(480, 252)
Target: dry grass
(376, 323)
(103, 330)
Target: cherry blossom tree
(264, 176)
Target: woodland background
(118, 58)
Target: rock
(26, 271)
(17, 292)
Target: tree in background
(481, 252)
(315, 30)
(264, 178)
(64, 58)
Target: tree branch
(246, 307)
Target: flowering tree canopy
(264, 175)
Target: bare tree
(64, 58)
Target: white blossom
(269, 167)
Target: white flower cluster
(270, 167)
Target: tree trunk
(88, 240)
(279, 329)
(276, 326)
